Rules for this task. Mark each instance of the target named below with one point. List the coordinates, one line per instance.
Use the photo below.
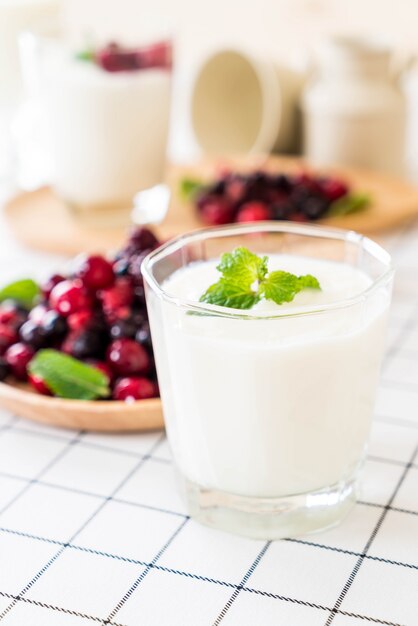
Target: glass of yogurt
(106, 107)
(268, 410)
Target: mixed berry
(260, 195)
(96, 314)
(116, 58)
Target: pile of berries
(116, 58)
(97, 314)
(265, 196)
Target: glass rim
(311, 230)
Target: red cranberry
(12, 314)
(80, 320)
(39, 384)
(134, 388)
(126, 357)
(4, 369)
(253, 212)
(48, 286)
(95, 271)
(102, 366)
(157, 55)
(114, 58)
(69, 296)
(120, 295)
(18, 357)
(8, 336)
(333, 189)
(217, 211)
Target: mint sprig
(23, 291)
(189, 188)
(349, 204)
(69, 378)
(245, 281)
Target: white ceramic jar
(354, 110)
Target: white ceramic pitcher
(354, 110)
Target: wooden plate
(80, 414)
(41, 220)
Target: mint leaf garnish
(23, 291)
(69, 378)
(348, 204)
(231, 294)
(282, 286)
(190, 187)
(243, 266)
(88, 55)
(245, 280)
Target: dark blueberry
(135, 265)
(218, 188)
(143, 336)
(33, 335)
(143, 239)
(282, 210)
(88, 344)
(124, 328)
(139, 293)
(54, 325)
(299, 198)
(121, 266)
(281, 183)
(4, 369)
(314, 208)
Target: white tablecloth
(92, 530)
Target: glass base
(270, 518)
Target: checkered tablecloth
(92, 530)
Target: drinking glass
(268, 413)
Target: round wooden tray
(80, 414)
(41, 220)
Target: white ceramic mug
(242, 102)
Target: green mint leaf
(308, 282)
(231, 294)
(282, 286)
(23, 291)
(69, 378)
(245, 281)
(243, 266)
(351, 203)
(88, 55)
(189, 188)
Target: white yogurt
(270, 407)
(108, 131)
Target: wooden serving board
(96, 416)
(41, 220)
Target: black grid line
(376, 529)
(141, 577)
(89, 444)
(92, 494)
(70, 444)
(53, 607)
(83, 526)
(202, 578)
(242, 584)
(408, 326)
